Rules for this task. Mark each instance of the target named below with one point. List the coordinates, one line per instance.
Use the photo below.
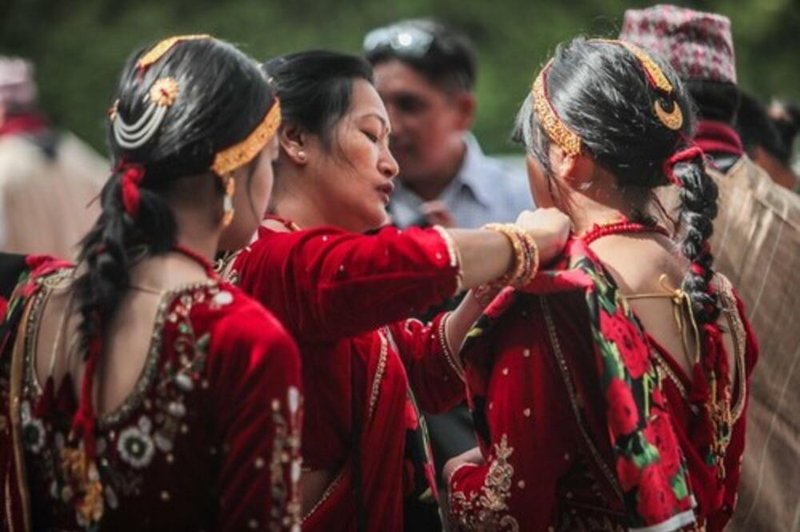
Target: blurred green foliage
(80, 45)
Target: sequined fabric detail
(487, 509)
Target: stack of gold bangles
(526, 255)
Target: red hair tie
(132, 175)
(697, 269)
(687, 154)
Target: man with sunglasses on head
(425, 73)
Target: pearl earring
(227, 202)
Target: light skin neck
(192, 234)
(603, 202)
(196, 208)
(295, 198)
(299, 210)
(430, 186)
(587, 212)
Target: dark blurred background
(79, 46)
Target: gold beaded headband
(158, 51)
(243, 152)
(655, 76)
(557, 131)
(163, 94)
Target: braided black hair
(222, 98)
(600, 90)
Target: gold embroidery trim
(739, 342)
(562, 366)
(454, 256)
(164, 46)
(376, 382)
(325, 496)
(453, 359)
(15, 393)
(286, 505)
(239, 154)
(664, 365)
(557, 131)
(487, 509)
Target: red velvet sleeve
(326, 284)
(434, 371)
(254, 392)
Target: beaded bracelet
(532, 254)
(518, 264)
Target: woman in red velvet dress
(138, 389)
(345, 295)
(610, 393)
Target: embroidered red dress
(550, 428)
(208, 439)
(341, 295)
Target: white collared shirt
(484, 190)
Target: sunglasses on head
(406, 40)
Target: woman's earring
(301, 155)
(227, 201)
(586, 185)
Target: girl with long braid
(138, 389)
(609, 394)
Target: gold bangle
(532, 252)
(520, 269)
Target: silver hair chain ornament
(131, 136)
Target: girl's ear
(575, 170)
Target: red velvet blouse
(341, 295)
(208, 439)
(533, 385)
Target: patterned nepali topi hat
(698, 45)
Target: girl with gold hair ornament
(610, 392)
(136, 387)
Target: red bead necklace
(198, 258)
(620, 227)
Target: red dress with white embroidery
(341, 295)
(556, 437)
(207, 440)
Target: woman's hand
(472, 456)
(487, 254)
(550, 227)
